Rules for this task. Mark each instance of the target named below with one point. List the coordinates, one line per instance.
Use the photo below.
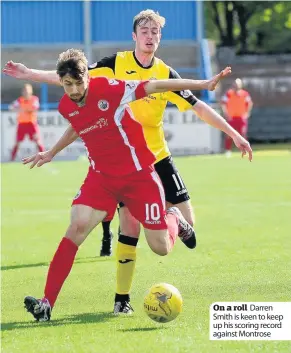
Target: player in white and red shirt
(120, 167)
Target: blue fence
(41, 22)
(52, 22)
(108, 25)
(36, 23)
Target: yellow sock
(126, 258)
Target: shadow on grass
(143, 329)
(39, 264)
(85, 318)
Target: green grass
(243, 215)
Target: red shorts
(240, 125)
(142, 192)
(30, 129)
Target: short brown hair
(72, 62)
(148, 15)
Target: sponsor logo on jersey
(152, 222)
(181, 192)
(185, 94)
(100, 123)
(76, 112)
(149, 98)
(103, 105)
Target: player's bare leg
(129, 230)
(159, 240)
(162, 242)
(228, 145)
(127, 223)
(38, 142)
(187, 210)
(14, 151)
(83, 220)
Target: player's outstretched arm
(22, 72)
(159, 86)
(211, 117)
(41, 158)
(13, 107)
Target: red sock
(14, 152)
(40, 147)
(59, 269)
(172, 222)
(228, 143)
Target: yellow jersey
(148, 111)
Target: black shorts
(175, 189)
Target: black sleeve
(173, 74)
(187, 95)
(108, 61)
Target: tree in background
(250, 26)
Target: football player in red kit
(120, 167)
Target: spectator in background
(26, 106)
(236, 105)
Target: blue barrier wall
(41, 22)
(52, 22)
(112, 21)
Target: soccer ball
(163, 302)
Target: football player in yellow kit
(142, 64)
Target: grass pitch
(243, 224)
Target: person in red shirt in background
(236, 105)
(27, 106)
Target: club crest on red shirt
(103, 105)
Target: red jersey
(114, 139)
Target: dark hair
(72, 62)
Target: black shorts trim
(174, 186)
(124, 239)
